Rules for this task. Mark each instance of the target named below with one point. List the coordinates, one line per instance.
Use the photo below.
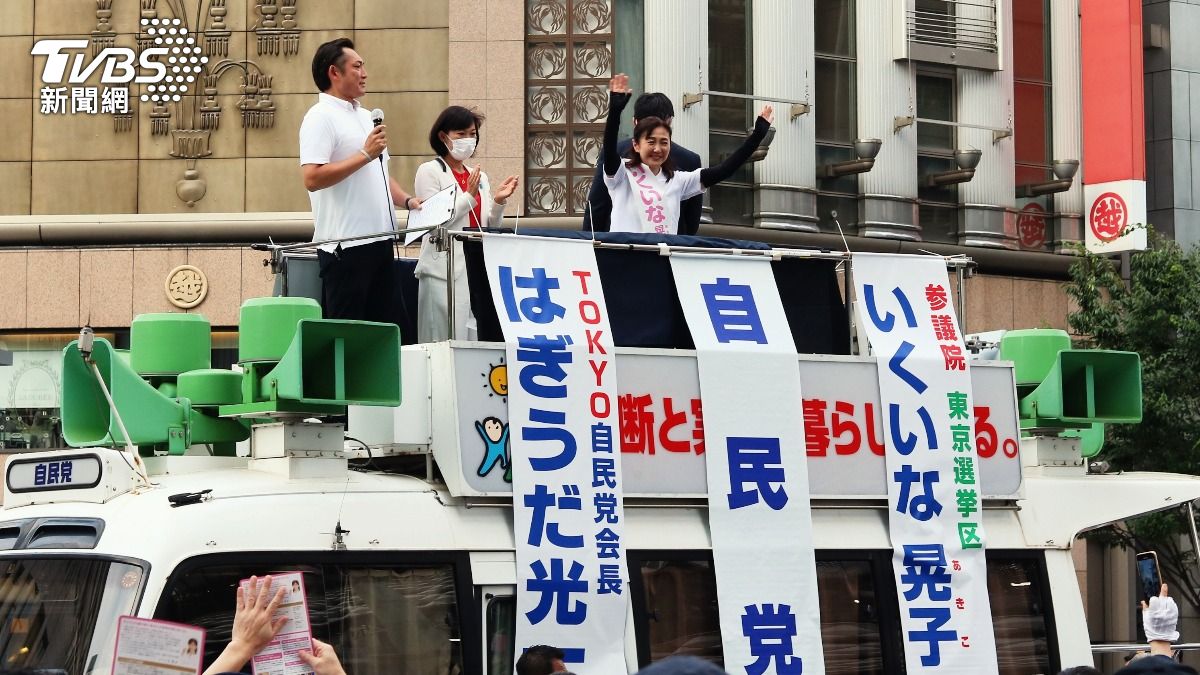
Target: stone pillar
(886, 90)
(987, 212)
(785, 193)
(676, 58)
(1066, 106)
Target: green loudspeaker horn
(1086, 386)
(1059, 387)
(86, 417)
(151, 417)
(338, 363)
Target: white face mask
(462, 148)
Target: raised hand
(768, 114)
(619, 84)
(473, 180)
(254, 622)
(254, 625)
(507, 188)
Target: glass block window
(568, 62)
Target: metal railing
(443, 238)
(952, 29)
(1127, 647)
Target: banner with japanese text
(566, 471)
(906, 311)
(758, 500)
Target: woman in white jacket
(453, 138)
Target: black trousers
(359, 283)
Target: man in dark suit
(650, 104)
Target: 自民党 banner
(906, 311)
(565, 456)
(758, 497)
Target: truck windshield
(61, 613)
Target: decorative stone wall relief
(188, 106)
(104, 36)
(186, 286)
(568, 61)
(276, 28)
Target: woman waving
(645, 187)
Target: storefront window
(30, 392)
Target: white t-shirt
(628, 209)
(334, 130)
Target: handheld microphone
(377, 118)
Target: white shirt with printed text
(628, 206)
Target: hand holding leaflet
(323, 660)
(435, 210)
(254, 624)
(289, 624)
(149, 647)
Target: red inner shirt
(462, 183)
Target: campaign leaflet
(281, 656)
(150, 647)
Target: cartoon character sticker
(497, 380)
(495, 442)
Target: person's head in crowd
(653, 104)
(338, 70)
(455, 133)
(1080, 670)
(541, 660)
(682, 665)
(652, 146)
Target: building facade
(955, 126)
(1173, 117)
(108, 211)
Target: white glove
(1160, 619)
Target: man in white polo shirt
(345, 163)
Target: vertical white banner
(566, 470)
(906, 311)
(758, 503)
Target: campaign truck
(643, 450)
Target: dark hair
(454, 118)
(645, 127)
(1080, 670)
(653, 104)
(539, 660)
(329, 54)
